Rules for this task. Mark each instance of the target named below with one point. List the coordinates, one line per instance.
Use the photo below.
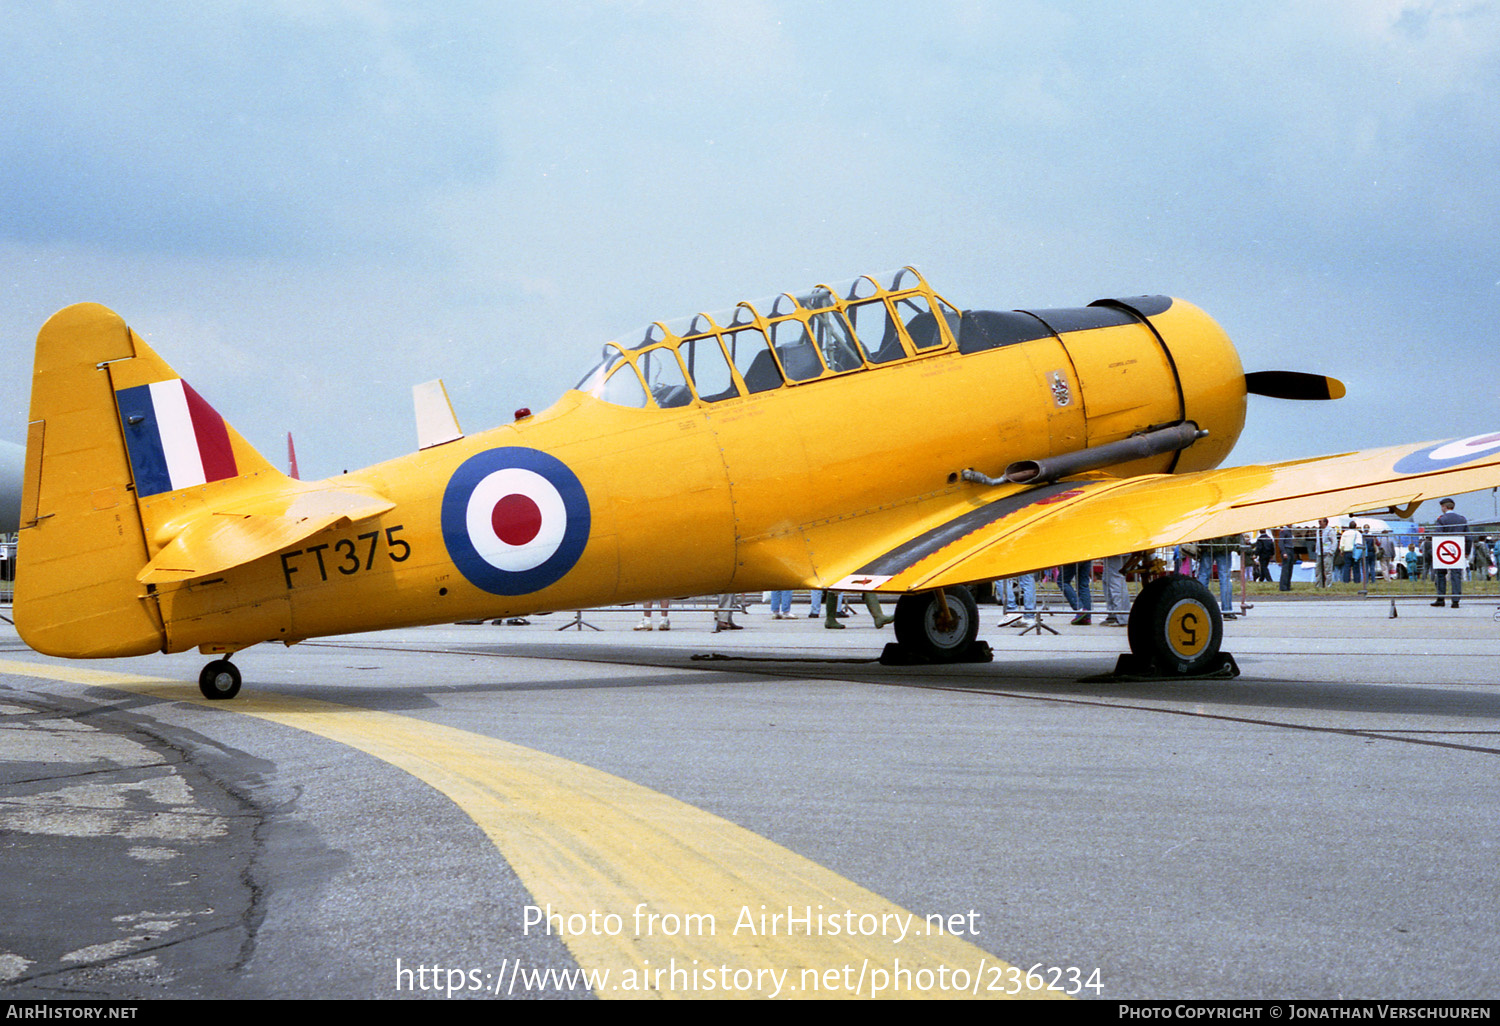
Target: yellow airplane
(842, 437)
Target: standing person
(781, 605)
(666, 623)
(1328, 543)
(1286, 540)
(1388, 555)
(832, 600)
(1480, 558)
(872, 603)
(1413, 562)
(1027, 584)
(1449, 523)
(1219, 552)
(1116, 593)
(1352, 549)
(724, 614)
(1265, 550)
(835, 599)
(1081, 600)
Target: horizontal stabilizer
(218, 540)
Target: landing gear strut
(220, 679)
(937, 627)
(1175, 630)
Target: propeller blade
(1293, 385)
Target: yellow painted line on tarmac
(607, 855)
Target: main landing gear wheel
(935, 631)
(1176, 628)
(219, 679)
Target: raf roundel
(1448, 454)
(514, 520)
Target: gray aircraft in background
(12, 462)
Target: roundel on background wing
(515, 520)
(1447, 454)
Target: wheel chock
(1134, 667)
(895, 654)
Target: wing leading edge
(1022, 530)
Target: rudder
(111, 426)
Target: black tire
(918, 630)
(1175, 623)
(1138, 623)
(219, 680)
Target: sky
(308, 207)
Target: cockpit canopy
(786, 340)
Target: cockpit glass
(859, 288)
(876, 331)
(905, 278)
(649, 335)
(596, 375)
(664, 378)
(684, 327)
(817, 299)
(951, 316)
(791, 337)
(780, 306)
(708, 368)
(921, 325)
(624, 388)
(740, 315)
(834, 341)
(752, 358)
(796, 349)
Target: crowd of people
(1331, 552)
(1349, 552)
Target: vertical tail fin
(117, 447)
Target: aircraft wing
(1009, 529)
(216, 540)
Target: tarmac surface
(496, 811)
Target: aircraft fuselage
(732, 495)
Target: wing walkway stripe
(585, 841)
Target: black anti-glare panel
(1146, 306)
(990, 329)
(1085, 318)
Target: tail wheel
(935, 628)
(220, 679)
(1176, 625)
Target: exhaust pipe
(1147, 443)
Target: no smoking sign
(1448, 554)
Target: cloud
(337, 199)
(233, 128)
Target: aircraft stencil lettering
(703, 455)
(345, 556)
